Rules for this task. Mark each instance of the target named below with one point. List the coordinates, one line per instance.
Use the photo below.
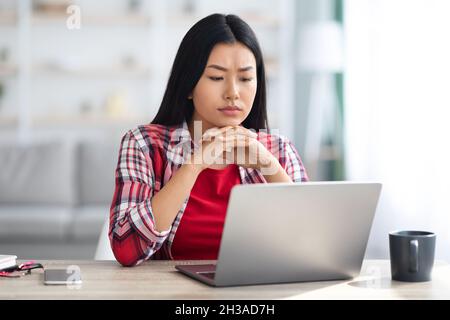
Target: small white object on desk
(7, 261)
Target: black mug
(412, 255)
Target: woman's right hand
(216, 143)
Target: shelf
(7, 70)
(8, 122)
(8, 18)
(128, 19)
(138, 71)
(254, 20)
(77, 121)
(84, 121)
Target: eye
(216, 78)
(246, 79)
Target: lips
(230, 108)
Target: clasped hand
(232, 145)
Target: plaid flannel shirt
(148, 157)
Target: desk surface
(160, 280)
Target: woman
(174, 176)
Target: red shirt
(200, 230)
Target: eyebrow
(215, 66)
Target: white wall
(397, 111)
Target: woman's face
(229, 80)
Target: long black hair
(190, 63)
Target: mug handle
(413, 256)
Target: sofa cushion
(87, 222)
(96, 167)
(24, 223)
(38, 173)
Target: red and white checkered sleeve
(292, 162)
(132, 232)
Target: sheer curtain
(397, 118)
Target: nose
(232, 91)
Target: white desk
(160, 280)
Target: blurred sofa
(55, 197)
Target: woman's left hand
(246, 151)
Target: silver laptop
(279, 232)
